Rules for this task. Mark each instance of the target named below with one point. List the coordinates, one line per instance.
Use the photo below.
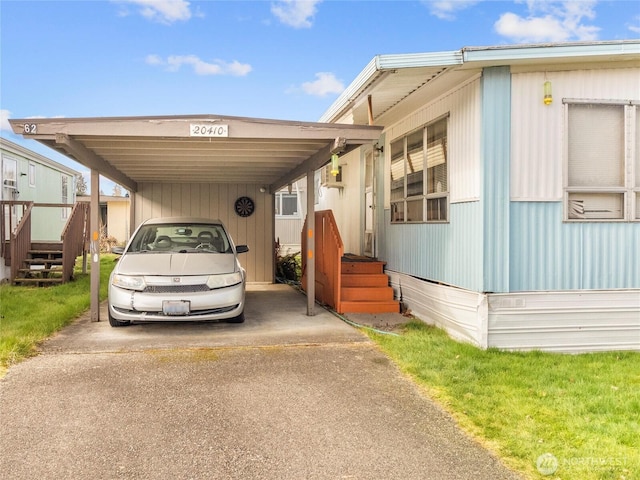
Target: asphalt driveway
(283, 396)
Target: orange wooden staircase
(365, 287)
(347, 283)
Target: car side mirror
(117, 250)
(242, 249)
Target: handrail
(74, 238)
(21, 241)
(329, 250)
(8, 222)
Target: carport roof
(196, 148)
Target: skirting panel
(571, 322)
(462, 313)
(564, 322)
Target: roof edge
(383, 63)
(17, 149)
(550, 50)
(480, 55)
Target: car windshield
(181, 238)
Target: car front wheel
(238, 319)
(114, 322)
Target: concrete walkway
(283, 396)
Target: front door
(369, 236)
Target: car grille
(176, 288)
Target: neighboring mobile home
(504, 193)
(114, 216)
(29, 176)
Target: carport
(177, 165)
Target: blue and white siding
(545, 253)
(449, 253)
(506, 271)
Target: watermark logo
(547, 464)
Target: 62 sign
(30, 129)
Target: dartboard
(244, 206)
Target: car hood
(176, 264)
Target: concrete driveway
(283, 396)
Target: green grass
(583, 409)
(28, 315)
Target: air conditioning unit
(328, 180)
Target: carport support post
(94, 246)
(311, 244)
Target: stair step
(366, 293)
(362, 267)
(43, 261)
(364, 280)
(390, 306)
(28, 271)
(37, 281)
(45, 252)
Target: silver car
(178, 268)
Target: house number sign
(30, 128)
(198, 130)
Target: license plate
(176, 307)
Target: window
(602, 153)
(65, 196)
(287, 204)
(419, 182)
(32, 174)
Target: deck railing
(329, 250)
(11, 211)
(15, 233)
(75, 238)
(20, 241)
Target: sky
(286, 59)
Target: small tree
(117, 190)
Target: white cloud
(162, 11)
(635, 27)
(446, 9)
(325, 83)
(550, 21)
(295, 13)
(200, 67)
(4, 120)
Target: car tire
(238, 319)
(117, 323)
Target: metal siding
(496, 134)
(547, 254)
(463, 137)
(289, 232)
(570, 322)
(448, 253)
(537, 129)
(217, 201)
(458, 311)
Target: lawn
(28, 315)
(553, 416)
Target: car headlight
(129, 282)
(226, 280)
